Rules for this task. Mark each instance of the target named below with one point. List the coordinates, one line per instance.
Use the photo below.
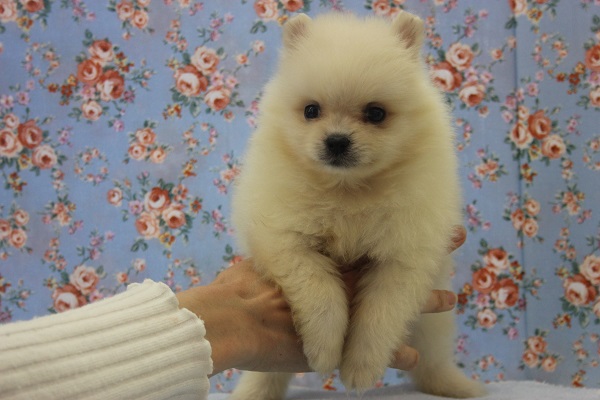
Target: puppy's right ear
(295, 29)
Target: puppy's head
(348, 92)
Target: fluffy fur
(306, 205)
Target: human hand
(250, 327)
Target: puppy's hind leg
(436, 373)
(261, 386)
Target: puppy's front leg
(315, 292)
(389, 299)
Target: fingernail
(413, 363)
(451, 299)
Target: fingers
(405, 358)
(458, 237)
(443, 300)
(440, 301)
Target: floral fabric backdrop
(123, 123)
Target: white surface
(510, 390)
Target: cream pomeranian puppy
(353, 162)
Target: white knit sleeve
(137, 344)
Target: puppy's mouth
(337, 150)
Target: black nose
(337, 144)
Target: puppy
(352, 162)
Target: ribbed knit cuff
(137, 344)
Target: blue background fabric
(123, 123)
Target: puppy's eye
(312, 111)
(374, 115)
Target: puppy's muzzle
(337, 144)
(337, 150)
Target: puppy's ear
(409, 28)
(295, 29)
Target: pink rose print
(143, 145)
(132, 14)
(536, 354)
(497, 289)
(103, 81)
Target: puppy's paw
(365, 358)
(323, 353)
(323, 334)
(449, 382)
(361, 368)
(263, 386)
(360, 377)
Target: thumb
(405, 358)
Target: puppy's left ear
(295, 29)
(410, 30)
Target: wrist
(218, 307)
